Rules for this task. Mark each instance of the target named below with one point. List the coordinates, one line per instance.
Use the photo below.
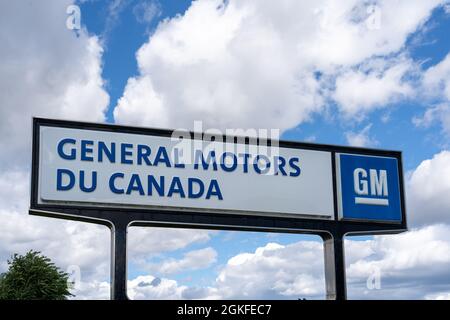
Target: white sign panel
(112, 169)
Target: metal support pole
(334, 266)
(119, 260)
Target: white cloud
(361, 138)
(254, 64)
(428, 190)
(348, 36)
(147, 241)
(358, 91)
(435, 88)
(66, 243)
(439, 113)
(199, 71)
(411, 265)
(115, 8)
(436, 79)
(144, 287)
(438, 296)
(147, 11)
(147, 244)
(275, 271)
(94, 290)
(150, 287)
(17, 186)
(192, 260)
(139, 92)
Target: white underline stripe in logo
(373, 201)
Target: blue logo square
(368, 188)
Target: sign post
(123, 176)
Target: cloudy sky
(363, 73)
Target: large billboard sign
(112, 169)
(107, 167)
(121, 176)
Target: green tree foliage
(33, 277)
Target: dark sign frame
(119, 219)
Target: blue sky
(362, 73)
(390, 127)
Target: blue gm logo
(368, 187)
